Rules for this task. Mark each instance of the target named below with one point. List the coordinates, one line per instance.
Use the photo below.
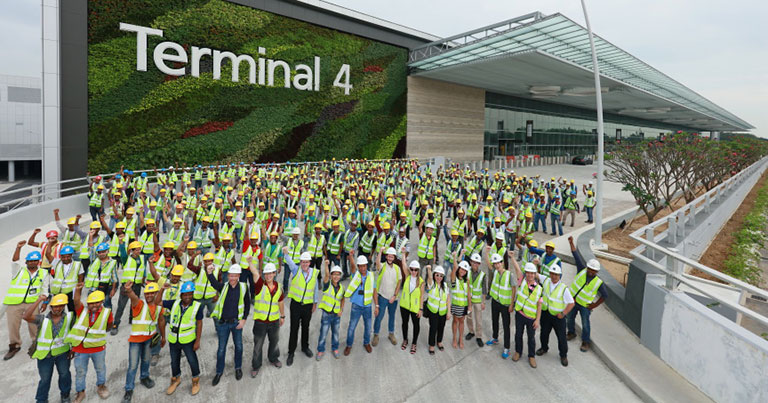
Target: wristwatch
(282, 317)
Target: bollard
(672, 229)
(673, 267)
(649, 236)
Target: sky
(717, 48)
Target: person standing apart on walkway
(268, 316)
(52, 349)
(476, 279)
(502, 289)
(411, 303)
(461, 293)
(229, 315)
(585, 288)
(527, 310)
(331, 304)
(388, 285)
(304, 292)
(147, 327)
(185, 325)
(362, 294)
(88, 338)
(439, 306)
(557, 302)
(27, 284)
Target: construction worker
(540, 213)
(48, 250)
(554, 213)
(52, 349)
(147, 327)
(27, 284)
(295, 248)
(461, 295)
(438, 305)
(65, 274)
(571, 207)
(268, 316)
(585, 288)
(133, 272)
(350, 245)
(317, 248)
(557, 302)
(88, 338)
(332, 305)
(411, 303)
(527, 310)
(335, 244)
(362, 294)
(185, 325)
(501, 291)
(304, 292)
(427, 246)
(230, 312)
(589, 205)
(388, 284)
(205, 293)
(102, 274)
(72, 235)
(476, 280)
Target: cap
(269, 268)
(530, 268)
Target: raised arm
(31, 241)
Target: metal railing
(671, 262)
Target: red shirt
(91, 318)
(136, 311)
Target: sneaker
(319, 355)
(469, 336)
(336, 354)
(505, 354)
(492, 342)
(128, 396)
(479, 342)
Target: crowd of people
(272, 241)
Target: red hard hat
(52, 233)
(98, 178)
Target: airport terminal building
(152, 83)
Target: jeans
(503, 310)
(189, 352)
(344, 263)
(45, 369)
(405, 315)
(260, 331)
(436, 328)
(95, 212)
(223, 330)
(106, 288)
(286, 276)
(236, 237)
(509, 238)
(81, 368)
(549, 322)
(137, 352)
(332, 321)
(556, 224)
(589, 213)
(571, 321)
(390, 309)
(122, 300)
(524, 324)
(354, 316)
(300, 316)
(540, 217)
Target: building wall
(444, 119)
(20, 118)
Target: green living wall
(145, 119)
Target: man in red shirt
(88, 340)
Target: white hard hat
(555, 269)
(430, 225)
(530, 268)
(593, 264)
(496, 258)
(476, 258)
(269, 268)
(391, 251)
(499, 235)
(305, 256)
(362, 260)
(295, 231)
(414, 264)
(439, 270)
(464, 265)
(235, 269)
(335, 269)
(590, 182)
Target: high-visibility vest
(89, 336)
(473, 246)
(527, 300)
(501, 251)
(271, 253)
(553, 301)
(331, 300)
(130, 227)
(547, 266)
(303, 291)
(385, 267)
(61, 284)
(411, 300)
(85, 250)
(367, 287)
(459, 292)
(47, 343)
(266, 306)
(133, 271)
(334, 243)
(584, 293)
(589, 201)
(202, 237)
(25, 287)
(383, 241)
(426, 247)
(250, 252)
(95, 199)
(295, 249)
(366, 242)
(71, 238)
(170, 294)
(459, 226)
(447, 258)
(540, 207)
(223, 257)
(240, 302)
(144, 324)
(315, 247)
(203, 288)
(554, 209)
(182, 328)
(477, 286)
(437, 302)
(501, 289)
(350, 237)
(176, 236)
(569, 204)
(290, 224)
(114, 245)
(100, 272)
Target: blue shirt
(581, 266)
(295, 268)
(357, 296)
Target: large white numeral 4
(343, 74)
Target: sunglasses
(439, 275)
(414, 270)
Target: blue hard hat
(102, 247)
(189, 286)
(118, 176)
(143, 174)
(34, 256)
(67, 250)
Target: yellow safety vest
(303, 291)
(89, 336)
(25, 287)
(47, 343)
(266, 306)
(145, 324)
(240, 303)
(527, 300)
(331, 301)
(438, 300)
(411, 300)
(183, 327)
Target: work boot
(469, 336)
(479, 342)
(564, 361)
(102, 391)
(147, 382)
(216, 379)
(12, 350)
(516, 356)
(128, 396)
(375, 340)
(307, 352)
(195, 385)
(541, 352)
(238, 374)
(570, 336)
(289, 361)
(347, 350)
(584, 346)
(175, 381)
(368, 348)
(532, 362)
(393, 339)
(80, 396)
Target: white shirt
(567, 298)
(388, 281)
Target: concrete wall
(445, 119)
(724, 360)
(36, 215)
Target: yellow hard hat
(153, 203)
(454, 232)
(206, 219)
(487, 209)
(533, 243)
(326, 208)
(192, 245)
(249, 214)
(151, 287)
(120, 224)
(95, 225)
(335, 223)
(71, 221)
(430, 211)
(385, 225)
(150, 221)
(59, 299)
(177, 270)
(275, 233)
(134, 245)
(528, 215)
(208, 256)
(318, 226)
(178, 219)
(96, 296)
(226, 237)
(550, 244)
(130, 210)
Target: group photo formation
(348, 201)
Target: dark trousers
(300, 316)
(317, 262)
(260, 331)
(549, 322)
(524, 324)
(246, 277)
(106, 288)
(436, 327)
(405, 316)
(45, 369)
(189, 352)
(95, 212)
(503, 310)
(122, 301)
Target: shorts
(458, 311)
